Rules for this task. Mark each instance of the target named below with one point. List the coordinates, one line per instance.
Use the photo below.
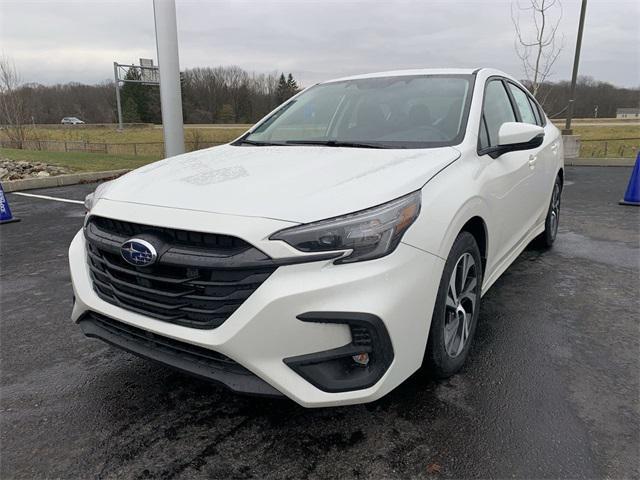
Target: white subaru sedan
(338, 246)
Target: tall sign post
(164, 12)
(118, 102)
(145, 74)
(576, 60)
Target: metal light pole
(576, 60)
(118, 104)
(164, 12)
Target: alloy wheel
(460, 304)
(555, 211)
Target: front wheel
(456, 310)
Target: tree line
(209, 95)
(233, 95)
(593, 98)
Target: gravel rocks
(11, 170)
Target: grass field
(561, 121)
(70, 133)
(79, 161)
(119, 156)
(226, 133)
(589, 132)
(608, 148)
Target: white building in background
(628, 113)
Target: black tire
(545, 239)
(439, 361)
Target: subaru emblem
(137, 252)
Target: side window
(537, 109)
(483, 138)
(522, 102)
(536, 112)
(497, 109)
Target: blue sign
(137, 252)
(5, 211)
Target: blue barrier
(632, 195)
(5, 212)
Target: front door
(511, 182)
(543, 159)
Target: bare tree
(537, 46)
(13, 103)
(227, 94)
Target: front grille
(178, 237)
(198, 280)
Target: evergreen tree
(292, 85)
(282, 90)
(287, 88)
(145, 98)
(130, 111)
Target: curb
(60, 180)
(600, 162)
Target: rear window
(523, 104)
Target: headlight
(371, 233)
(88, 202)
(91, 199)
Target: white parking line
(46, 197)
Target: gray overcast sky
(54, 41)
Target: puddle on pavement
(573, 245)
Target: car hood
(293, 183)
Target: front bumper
(399, 289)
(182, 356)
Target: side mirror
(515, 133)
(514, 136)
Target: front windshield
(418, 111)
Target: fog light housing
(361, 359)
(355, 366)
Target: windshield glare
(394, 112)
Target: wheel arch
(474, 216)
(477, 227)
(448, 211)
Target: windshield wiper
(259, 144)
(322, 143)
(335, 143)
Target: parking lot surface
(551, 388)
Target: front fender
(449, 201)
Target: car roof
(419, 71)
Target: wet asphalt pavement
(551, 388)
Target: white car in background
(71, 121)
(342, 243)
